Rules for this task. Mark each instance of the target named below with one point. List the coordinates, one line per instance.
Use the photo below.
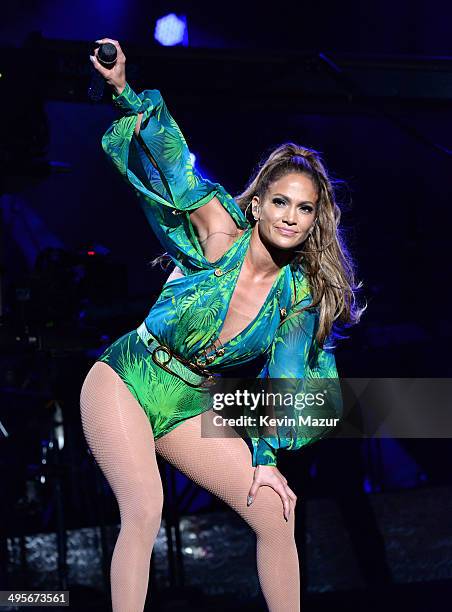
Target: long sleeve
(298, 368)
(158, 165)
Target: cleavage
(244, 307)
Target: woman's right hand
(116, 76)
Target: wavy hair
(324, 256)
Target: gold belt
(152, 345)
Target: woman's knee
(267, 519)
(143, 513)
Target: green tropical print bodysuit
(189, 314)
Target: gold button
(210, 358)
(218, 272)
(283, 312)
(211, 380)
(220, 352)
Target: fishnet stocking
(223, 467)
(121, 440)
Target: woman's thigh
(121, 440)
(222, 465)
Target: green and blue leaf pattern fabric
(190, 311)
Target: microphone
(106, 56)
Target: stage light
(171, 30)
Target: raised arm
(148, 148)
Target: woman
(268, 285)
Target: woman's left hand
(269, 475)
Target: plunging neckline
(264, 304)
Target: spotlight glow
(171, 30)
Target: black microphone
(106, 56)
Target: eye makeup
(278, 198)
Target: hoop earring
(246, 210)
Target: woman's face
(287, 211)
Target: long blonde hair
(324, 257)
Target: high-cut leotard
(167, 360)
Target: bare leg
(122, 442)
(223, 467)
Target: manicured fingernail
(249, 500)
(91, 57)
(98, 41)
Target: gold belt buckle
(166, 350)
(164, 365)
